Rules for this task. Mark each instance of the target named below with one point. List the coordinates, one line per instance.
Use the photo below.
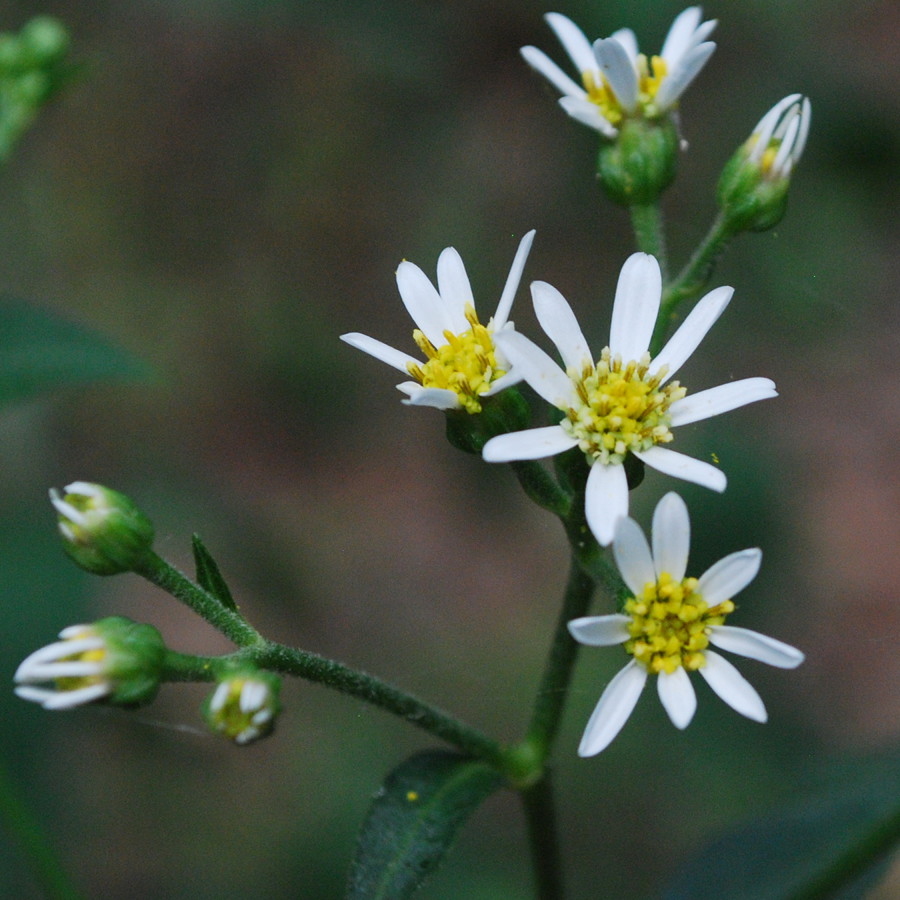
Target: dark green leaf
(831, 841)
(413, 821)
(40, 350)
(208, 575)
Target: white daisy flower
(778, 141)
(616, 80)
(668, 625)
(624, 402)
(463, 364)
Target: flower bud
(640, 163)
(102, 530)
(753, 187)
(115, 659)
(243, 706)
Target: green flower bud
(243, 706)
(44, 41)
(640, 163)
(115, 659)
(753, 187)
(102, 530)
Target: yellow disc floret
(623, 408)
(466, 364)
(650, 76)
(670, 624)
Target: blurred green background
(227, 188)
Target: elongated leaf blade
(40, 351)
(413, 821)
(209, 576)
(832, 840)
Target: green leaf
(413, 821)
(833, 840)
(39, 351)
(208, 575)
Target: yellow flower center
(75, 683)
(623, 408)
(670, 625)
(466, 364)
(650, 76)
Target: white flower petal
(618, 69)
(605, 500)
(674, 85)
(729, 576)
(625, 36)
(632, 554)
(455, 289)
(423, 303)
(671, 536)
(676, 693)
(756, 646)
(537, 368)
(380, 350)
(589, 114)
(539, 61)
(437, 398)
(512, 281)
(732, 687)
(502, 383)
(681, 35)
(613, 709)
(669, 462)
(693, 329)
(600, 631)
(560, 325)
(636, 307)
(721, 399)
(533, 443)
(576, 45)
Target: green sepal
(500, 414)
(135, 653)
(413, 821)
(834, 839)
(641, 163)
(209, 576)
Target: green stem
(692, 279)
(25, 830)
(229, 621)
(540, 816)
(646, 219)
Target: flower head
(618, 82)
(668, 625)
(463, 364)
(753, 187)
(102, 530)
(114, 659)
(624, 402)
(243, 706)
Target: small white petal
(756, 646)
(671, 536)
(732, 687)
(618, 69)
(253, 696)
(220, 695)
(674, 85)
(676, 693)
(600, 631)
(693, 329)
(436, 398)
(636, 307)
(50, 671)
(613, 709)
(721, 399)
(560, 325)
(576, 45)
(632, 554)
(681, 33)
(589, 114)
(625, 36)
(66, 509)
(455, 289)
(729, 576)
(533, 443)
(512, 281)
(605, 500)
(78, 697)
(805, 120)
(423, 303)
(379, 350)
(502, 383)
(669, 462)
(543, 375)
(540, 62)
